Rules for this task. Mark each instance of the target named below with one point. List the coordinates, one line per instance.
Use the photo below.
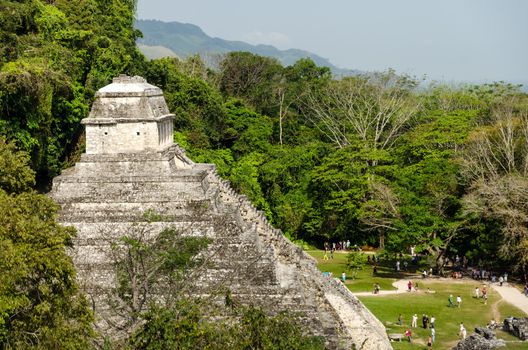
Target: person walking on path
(459, 300)
(414, 321)
(430, 343)
(343, 277)
(433, 333)
(409, 286)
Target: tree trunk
(382, 240)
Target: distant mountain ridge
(185, 39)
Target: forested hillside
(371, 159)
(184, 39)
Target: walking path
(510, 294)
(513, 296)
(401, 287)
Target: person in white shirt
(463, 332)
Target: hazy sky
(462, 40)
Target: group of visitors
(482, 293)
(330, 248)
(450, 301)
(483, 274)
(456, 274)
(405, 265)
(426, 323)
(374, 261)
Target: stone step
(118, 192)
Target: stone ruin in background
(131, 166)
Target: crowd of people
(427, 323)
(330, 248)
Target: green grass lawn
(363, 281)
(472, 312)
(386, 308)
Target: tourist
(430, 342)
(505, 277)
(424, 274)
(408, 335)
(477, 292)
(343, 277)
(375, 270)
(414, 321)
(425, 321)
(458, 300)
(368, 259)
(462, 331)
(376, 288)
(433, 333)
(409, 286)
(398, 266)
(450, 301)
(433, 319)
(400, 319)
(526, 290)
(501, 280)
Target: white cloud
(277, 39)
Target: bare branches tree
(496, 160)
(380, 210)
(374, 109)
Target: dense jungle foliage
(377, 159)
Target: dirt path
(400, 285)
(513, 296)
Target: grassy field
(473, 312)
(364, 280)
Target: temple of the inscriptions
(131, 166)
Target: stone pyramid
(132, 166)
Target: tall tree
(496, 163)
(40, 304)
(374, 109)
